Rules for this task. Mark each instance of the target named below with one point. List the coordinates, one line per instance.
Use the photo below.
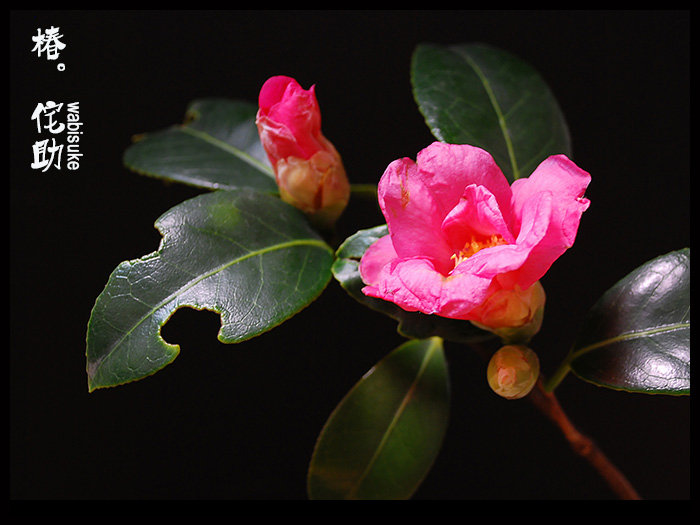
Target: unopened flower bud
(513, 315)
(513, 371)
(308, 169)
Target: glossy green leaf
(414, 325)
(245, 255)
(637, 336)
(217, 147)
(476, 94)
(383, 437)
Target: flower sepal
(515, 316)
(318, 186)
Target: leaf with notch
(245, 255)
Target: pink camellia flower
(308, 169)
(465, 244)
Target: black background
(240, 422)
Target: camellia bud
(513, 371)
(513, 315)
(308, 169)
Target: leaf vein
(186, 286)
(632, 335)
(242, 155)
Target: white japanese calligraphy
(41, 148)
(48, 154)
(48, 110)
(48, 43)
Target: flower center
(475, 245)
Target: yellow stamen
(473, 245)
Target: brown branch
(548, 404)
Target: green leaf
(217, 147)
(383, 437)
(475, 94)
(414, 325)
(245, 255)
(636, 338)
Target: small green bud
(512, 371)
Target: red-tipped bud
(308, 169)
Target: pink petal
(535, 240)
(462, 293)
(378, 255)
(291, 117)
(560, 182)
(272, 92)
(415, 197)
(476, 215)
(505, 263)
(449, 168)
(413, 284)
(567, 183)
(416, 285)
(277, 139)
(491, 262)
(412, 213)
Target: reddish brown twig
(548, 404)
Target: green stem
(364, 190)
(559, 374)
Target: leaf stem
(548, 404)
(558, 375)
(364, 190)
(565, 366)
